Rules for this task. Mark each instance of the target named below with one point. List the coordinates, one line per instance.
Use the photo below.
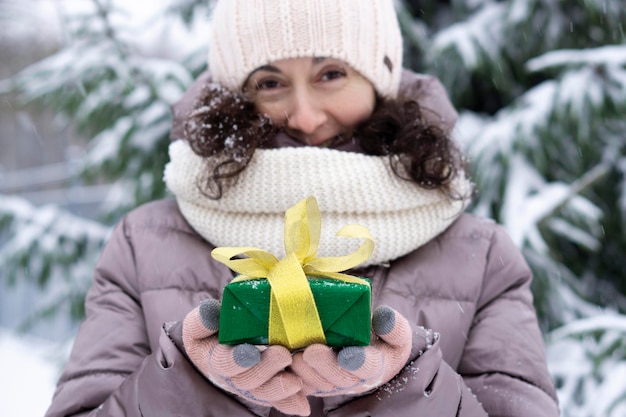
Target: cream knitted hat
(246, 34)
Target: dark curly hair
(418, 150)
(226, 129)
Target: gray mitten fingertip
(351, 358)
(383, 320)
(246, 355)
(210, 313)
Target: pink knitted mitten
(257, 375)
(356, 369)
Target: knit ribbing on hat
(246, 34)
(350, 188)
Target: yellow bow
(294, 321)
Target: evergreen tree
(541, 90)
(101, 82)
(541, 87)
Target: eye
(332, 74)
(268, 84)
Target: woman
(308, 98)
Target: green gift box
(344, 309)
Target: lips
(312, 140)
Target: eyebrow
(271, 68)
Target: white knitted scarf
(349, 187)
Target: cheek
(271, 110)
(356, 108)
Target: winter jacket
(470, 284)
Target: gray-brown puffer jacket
(470, 285)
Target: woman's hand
(356, 369)
(257, 375)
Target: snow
(482, 29)
(574, 234)
(531, 112)
(468, 127)
(46, 20)
(606, 55)
(33, 222)
(28, 377)
(104, 147)
(529, 200)
(31, 19)
(607, 321)
(598, 373)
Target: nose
(306, 115)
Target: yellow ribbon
(294, 320)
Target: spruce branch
(579, 186)
(103, 13)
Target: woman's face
(314, 99)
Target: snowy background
(30, 374)
(555, 152)
(32, 363)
